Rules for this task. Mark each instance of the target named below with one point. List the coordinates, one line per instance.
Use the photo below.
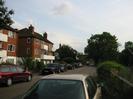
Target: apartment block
(8, 45)
(35, 45)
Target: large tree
(66, 52)
(102, 47)
(126, 55)
(5, 15)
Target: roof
(9, 28)
(27, 33)
(46, 40)
(66, 77)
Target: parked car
(76, 65)
(63, 67)
(51, 68)
(69, 66)
(12, 73)
(64, 87)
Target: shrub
(105, 69)
(112, 87)
(39, 65)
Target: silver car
(64, 87)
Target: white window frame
(1, 45)
(1, 31)
(36, 51)
(12, 49)
(28, 40)
(11, 34)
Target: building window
(11, 34)
(0, 44)
(11, 47)
(1, 31)
(36, 51)
(10, 61)
(28, 40)
(28, 50)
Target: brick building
(35, 45)
(8, 45)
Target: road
(20, 88)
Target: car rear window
(4, 69)
(57, 89)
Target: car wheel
(9, 82)
(29, 78)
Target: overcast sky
(72, 22)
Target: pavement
(21, 87)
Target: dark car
(12, 73)
(63, 67)
(69, 66)
(50, 69)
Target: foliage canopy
(65, 52)
(5, 15)
(102, 47)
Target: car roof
(66, 77)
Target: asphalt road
(20, 88)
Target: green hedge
(112, 86)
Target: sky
(72, 22)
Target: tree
(82, 58)
(27, 62)
(65, 52)
(102, 47)
(5, 18)
(126, 55)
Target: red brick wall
(36, 48)
(4, 44)
(22, 47)
(12, 41)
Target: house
(8, 45)
(35, 45)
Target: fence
(117, 88)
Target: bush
(39, 65)
(105, 69)
(112, 87)
(69, 60)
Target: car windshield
(51, 65)
(56, 89)
(4, 69)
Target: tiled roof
(9, 28)
(27, 33)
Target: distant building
(32, 44)
(8, 45)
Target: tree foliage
(5, 15)
(27, 62)
(66, 51)
(102, 47)
(126, 56)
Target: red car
(12, 73)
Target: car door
(14, 73)
(21, 74)
(94, 91)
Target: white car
(64, 87)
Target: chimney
(31, 28)
(45, 35)
(59, 45)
